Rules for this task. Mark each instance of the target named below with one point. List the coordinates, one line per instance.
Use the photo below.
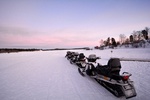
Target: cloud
(15, 31)
(19, 36)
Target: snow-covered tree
(101, 42)
(135, 36)
(122, 38)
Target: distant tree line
(7, 50)
(137, 37)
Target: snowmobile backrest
(114, 64)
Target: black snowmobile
(74, 57)
(89, 67)
(109, 77)
(79, 60)
(69, 55)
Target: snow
(48, 75)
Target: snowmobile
(68, 55)
(108, 76)
(90, 65)
(79, 60)
(74, 57)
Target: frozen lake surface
(47, 75)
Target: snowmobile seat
(103, 69)
(112, 69)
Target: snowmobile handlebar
(126, 73)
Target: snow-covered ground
(47, 75)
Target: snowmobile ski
(81, 73)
